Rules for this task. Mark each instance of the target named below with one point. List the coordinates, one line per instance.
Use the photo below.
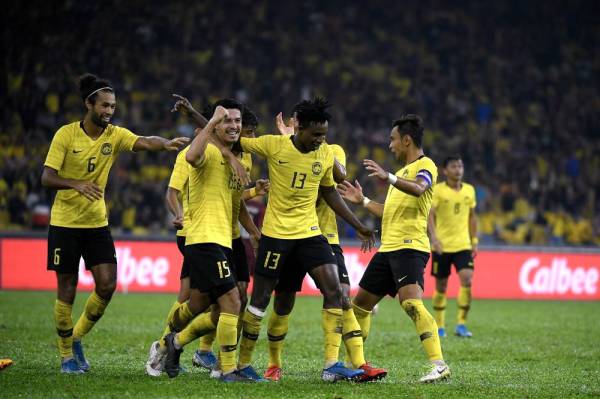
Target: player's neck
(454, 184)
(91, 129)
(413, 154)
(298, 145)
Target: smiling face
(229, 129)
(102, 109)
(310, 138)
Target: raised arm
(335, 202)
(411, 187)
(182, 104)
(88, 189)
(196, 151)
(175, 207)
(355, 195)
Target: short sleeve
(126, 139)
(339, 154)
(180, 173)
(262, 145)
(327, 179)
(58, 150)
(473, 198)
(428, 172)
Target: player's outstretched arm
(335, 202)
(411, 187)
(436, 245)
(175, 207)
(183, 105)
(355, 195)
(156, 143)
(88, 189)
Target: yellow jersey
(326, 215)
(210, 190)
(179, 181)
(74, 155)
(452, 209)
(246, 160)
(404, 223)
(295, 179)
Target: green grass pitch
(519, 349)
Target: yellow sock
(200, 325)
(206, 341)
(227, 336)
(353, 339)
(331, 320)
(64, 328)
(363, 317)
(426, 327)
(178, 320)
(93, 311)
(250, 331)
(174, 307)
(439, 308)
(464, 304)
(278, 328)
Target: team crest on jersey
(317, 168)
(106, 149)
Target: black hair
(249, 118)
(312, 111)
(89, 85)
(412, 125)
(228, 103)
(451, 158)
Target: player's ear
(88, 105)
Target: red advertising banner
(155, 266)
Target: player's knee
(441, 284)
(283, 304)
(332, 296)
(106, 289)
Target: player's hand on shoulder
(349, 192)
(177, 143)
(88, 189)
(239, 171)
(182, 104)
(375, 169)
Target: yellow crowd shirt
(326, 215)
(452, 209)
(210, 191)
(246, 160)
(295, 179)
(74, 155)
(179, 182)
(404, 223)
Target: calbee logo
(317, 168)
(106, 149)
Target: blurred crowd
(511, 86)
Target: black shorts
(210, 268)
(341, 263)
(441, 264)
(282, 260)
(66, 246)
(185, 270)
(291, 278)
(387, 272)
(240, 260)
